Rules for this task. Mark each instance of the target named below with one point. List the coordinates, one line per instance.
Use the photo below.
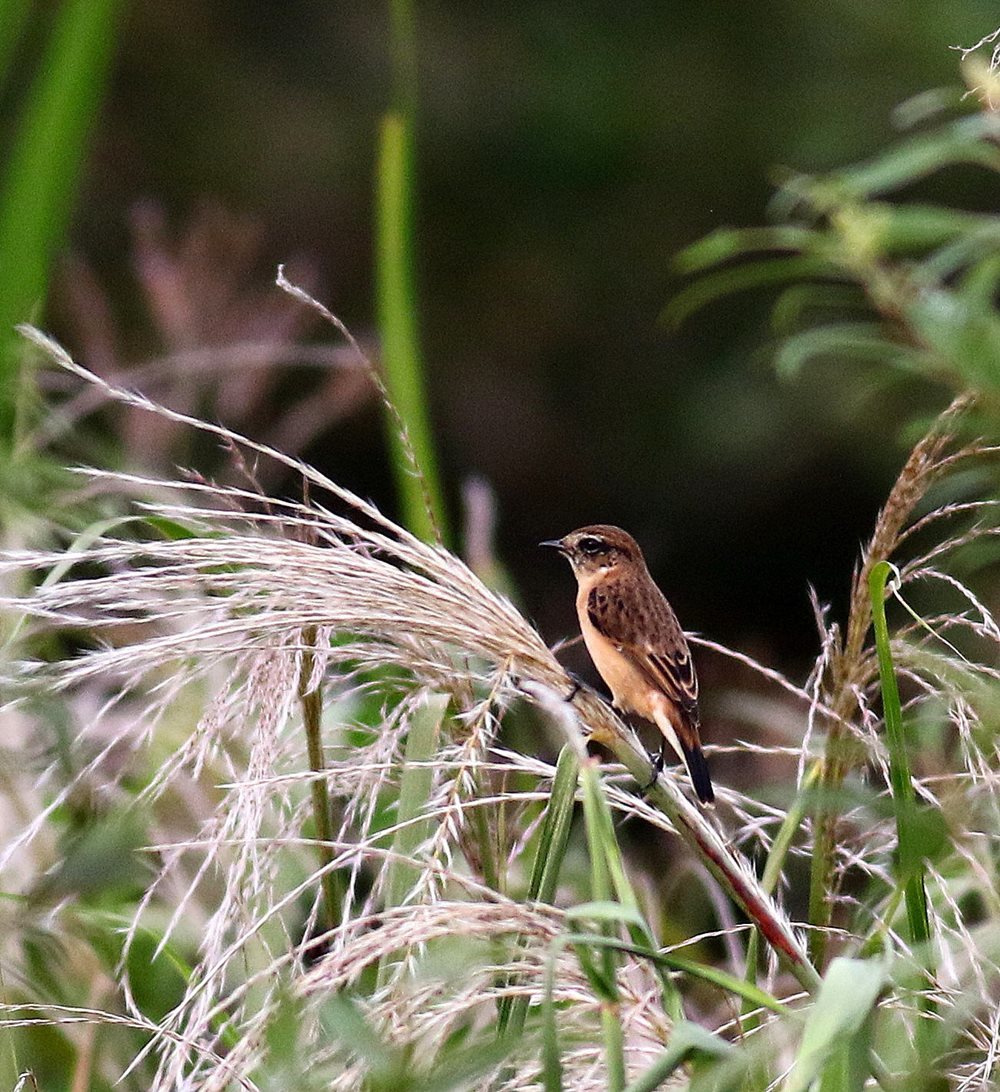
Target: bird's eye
(591, 545)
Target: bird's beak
(555, 544)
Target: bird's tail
(697, 769)
(689, 749)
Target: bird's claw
(658, 764)
(574, 689)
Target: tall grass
(262, 829)
(426, 936)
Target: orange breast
(629, 687)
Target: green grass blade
(464, 1069)
(311, 702)
(605, 912)
(717, 857)
(418, 485)
(403, 41)
(547, 864)
(13, 19)
(713, 975)
(778, 854)
(555, 829)
(614, 1046)
(40, 181)
(552, 1071)
(344, 1020)
(686, 1042)
(415, 789)
(904, 804)
(414, 792)
(731, 983)
(848, 994)
(606, 875)
(602, 887)
(773, 867)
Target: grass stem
(311, 700)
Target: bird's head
(598, 548)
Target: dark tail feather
(697, 769)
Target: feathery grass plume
(198, 642)
(240, 605)
(870, 277)
(852, 667)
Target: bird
(636, 642)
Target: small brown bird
(636, 642)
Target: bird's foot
(574, 689)
(657, 764)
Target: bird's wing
(653, 640)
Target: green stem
(778, 853)
(614, 1046)
(43, 168)
(403, 46)
(910, 855)
(408, 423)
(312, 716)
(903, 799)
(552, 841)
(711, 849)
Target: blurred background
(565, 153)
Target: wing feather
(645, 631)
(654, 642)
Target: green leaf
(814, 300)
(740, 278)
(410, 436)
(907, 830)
(547, 865)
(464, 1069)
(601, 977)
(343, 1020)
(848, 994)
(606, 911)
(961, 142)
(894, 230)
(40, 180)
(13, 19)
(739, 987)
(854, 340)
(713, 975)
(687, 1041)
(556, 826)
(415, 788)
(728, 243)
(966, 336)
(174, 531)
(969, 248)
(551, 1053)
(978, 285)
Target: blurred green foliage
(564, 155)
(548, 139)
(903, 283)
(39, 176)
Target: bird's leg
(575, 688)
(658, 764)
